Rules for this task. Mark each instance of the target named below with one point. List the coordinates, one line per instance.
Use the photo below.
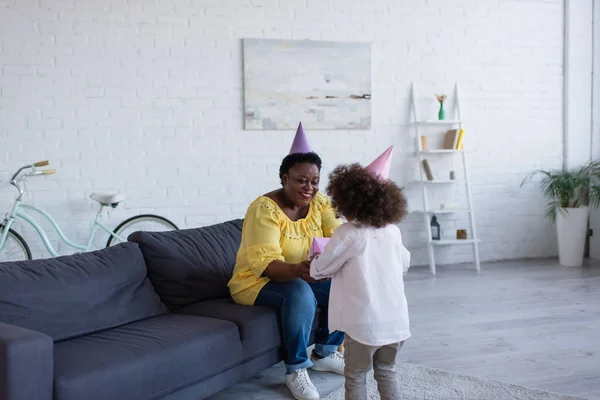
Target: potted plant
(571, 193)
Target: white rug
(420, 383)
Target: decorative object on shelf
(423, 143)
(452, 175)
(449, 206)
(571, 194)
(441, 98)
(461, 234)
(334, 92)
(435, 229)
(427, 170)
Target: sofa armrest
(26, 364)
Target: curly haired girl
(366, 260)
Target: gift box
(318, 245)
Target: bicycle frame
(20, 211)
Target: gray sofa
(147, 319)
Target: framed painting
(325, 85)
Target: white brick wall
(595, 133)
(146, 98)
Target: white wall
(582, 94)
(146, 98)
(578, 82)
(595, 131)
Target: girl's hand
(311, 258)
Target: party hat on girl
(381, 165)
(300, 143)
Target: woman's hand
(310, 279)
(302, 268)
(280, 271)
(306, 275)
(284, 272)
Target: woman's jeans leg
(297, 303)
(326, 343)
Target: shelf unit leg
(431, 259)
(471, 214)
(418, 146)
(469, 193)
(476, 251)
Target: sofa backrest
(191, 265)
(75, 295)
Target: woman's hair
(297, 158)
(357, 193)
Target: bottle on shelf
(435, 229)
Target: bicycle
(14, 248)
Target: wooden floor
(531, 323)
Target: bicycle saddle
(107, 199)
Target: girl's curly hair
(358, 194)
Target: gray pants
(360, 359)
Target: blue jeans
(297, 303)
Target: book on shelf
(427, 170)
(460, 140)
(450, 139)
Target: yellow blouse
(268, 235)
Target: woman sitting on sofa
(272, 267)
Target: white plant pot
(571, 228)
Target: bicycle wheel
(15, 248)
(141, 223)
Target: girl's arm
(405, 259)
(338, 250)
(405, 254)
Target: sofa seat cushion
(76, 295)
(258, 326)
(145, 359)
(191, 265)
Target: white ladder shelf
(425, 184)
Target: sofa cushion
(146, 359)
(75, 295)
(258, 326)
(191, 265)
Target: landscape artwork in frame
(326, 85)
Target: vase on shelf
(441, 98)
(442, 112)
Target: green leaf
(569, 188)
(554, 208)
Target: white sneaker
(301, 386)
(334, 363)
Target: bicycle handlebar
(13, 179)
(17, 182)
